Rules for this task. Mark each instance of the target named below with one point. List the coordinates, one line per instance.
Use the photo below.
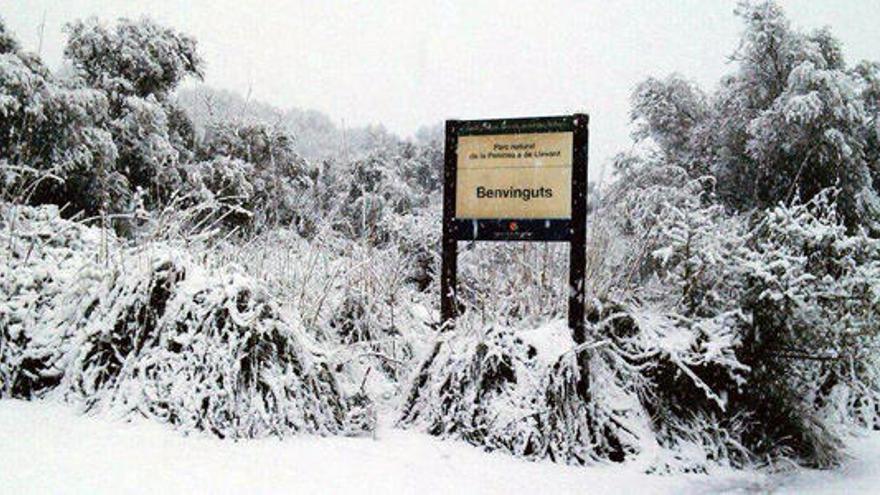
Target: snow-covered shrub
(276, 184)
(147, 155)
(679, 320)
(681, 371)
(203, 350)
(793, 279)
(155, 333)
(384, 182)
(813, 293)
(524, 392)
(358, 300)
(48, 273)
(226, 180)
(634, 392)
(794, 296)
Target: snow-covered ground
(49, 448)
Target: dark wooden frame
(573, 230)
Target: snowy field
(48, 448)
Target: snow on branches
(156, 334)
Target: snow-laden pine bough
(154, 333)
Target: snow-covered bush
(634, 392)
(813, 294)
(680, 370)
(792, 294)
(379, 320)
(48, 272)
(522, 392)
(149, 331)
(205, 351)
(277, 184)
(227, 181)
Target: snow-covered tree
(789, 121)
(668, 111)
(136, 65)
(280, 181)
(133, 58)
(812, 296)
(53, 138)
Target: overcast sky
(405, 64)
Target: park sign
(516, 180)
(512, 179)
(514, 176)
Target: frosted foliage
(143, 132)
(160, 335)
(790, 120)
(41, 300)
(779, 307)
(819, 299)
(667, 111)
(220, 265)
(133, 57)
(522, 393)
(50, 134)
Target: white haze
(406, 64)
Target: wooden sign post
(516, 180)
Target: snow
(860, 474)
(46, 447)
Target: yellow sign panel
(514, 176)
